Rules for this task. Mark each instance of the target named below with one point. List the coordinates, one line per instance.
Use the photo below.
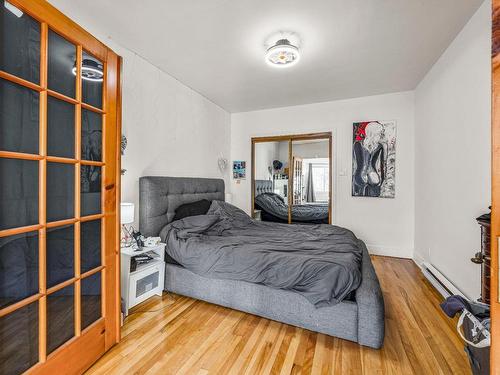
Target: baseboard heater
(444, 286)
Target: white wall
(303, 150)
(453, 154)
(265, 153)
(310, 150)
(387, 225)
(171, 129)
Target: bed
(359, 318)
(274, 208)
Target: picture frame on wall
(239, 169)
(374, 159)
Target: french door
(59, 163)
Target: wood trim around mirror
(290, 139)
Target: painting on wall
(239, 170)
(374, 159)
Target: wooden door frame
(91, 342)
(290, 138)
(495, 188)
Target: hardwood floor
(179, 335)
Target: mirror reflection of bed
(292, 179)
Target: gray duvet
(320, 262)
(275, 205)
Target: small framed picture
(239, 170)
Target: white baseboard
(419, 261)
(389, 251)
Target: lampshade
(229, 198)
(127, 213)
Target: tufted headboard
(263, 186)
(159, 197)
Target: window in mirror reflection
(311, 187)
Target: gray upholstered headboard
(263, 186)
(159, 197)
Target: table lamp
(126, 217)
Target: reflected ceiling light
(14, 10)
(282, 54)
(91, 70)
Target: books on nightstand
(142, 259)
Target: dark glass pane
(92, 70)
(60, 254)
(62, 56)
(90, 245)
(19, 45)
(18, 193)
(60, 128)
(90, 190)
(60, 317)
(91, 299)
(18, 267)
(19, 340)
(60, 191)
(91, 135)
(19, 108)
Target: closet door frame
(88, 344)
(290, 139)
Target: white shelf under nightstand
(146, 281)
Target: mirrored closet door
(292, 179)
(59, 128)
(311, 181)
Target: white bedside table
(146, 281)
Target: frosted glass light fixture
(282, 54)
(91, 70)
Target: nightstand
(147, 280)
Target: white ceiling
(350, 48)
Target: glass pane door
(53, 117)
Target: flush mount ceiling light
(91, 70)
(282, 54)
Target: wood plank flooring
(179, 335)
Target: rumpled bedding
(320, 262)
(274, 204)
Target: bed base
(361, 320)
